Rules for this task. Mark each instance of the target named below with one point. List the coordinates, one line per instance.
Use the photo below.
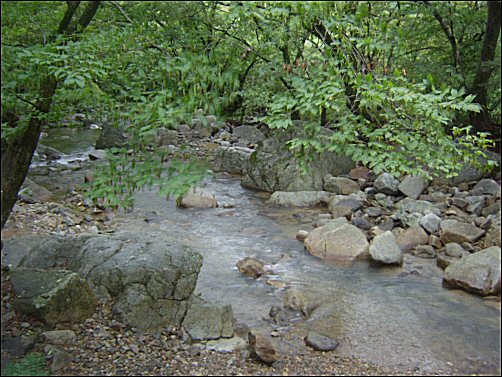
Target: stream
(376, 313)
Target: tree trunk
(481, 121)
(18, 154)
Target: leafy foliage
(382, 76)
(31, 365)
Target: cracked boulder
(52, 296)
(149, 277)
(272, 167)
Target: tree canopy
(401, 84)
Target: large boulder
(248, 134)
(110, 137)
(149, 278)
(337, 242)
(477, 273)
(272, 167)
(231, 159)
(52, 296)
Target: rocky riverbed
(104, 345)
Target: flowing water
(376, 314)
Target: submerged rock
(198, 198)
(251, 267)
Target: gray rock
(198, 198)
(166, 137)
(32, 192)
(424, 251)
(231, 159)
(493, 237)
(273, 168)
(361, 223)
(443, 260)
(340, 185)
(491, 210)
(468, 173)
(262, 348)
(454, 250)
(431, 223)
(387, 184)
(111, 137)
(338, 242)
(16, 346)
(352, 203)
(411, 238)
(476, 204)
(455, 231)
(413, 185)
(299, 198)
(248, 134)
(205, 321)
(97, 154)
(58, 356)
(52, 296)
(58, 337)
(385, 249)
(419, 206)
(488, 187)
(149, 277)
(49, 153)
(477, 273)
(320, 342)
(384, 200)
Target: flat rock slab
(299, 198)
(477, 273)
(52, 296)
(320, 342)
(205, 322)
(456, 231)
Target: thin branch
(28, 102)
(119, 8)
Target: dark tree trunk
(19, 151)
(481, 121)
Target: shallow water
(377, 315)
